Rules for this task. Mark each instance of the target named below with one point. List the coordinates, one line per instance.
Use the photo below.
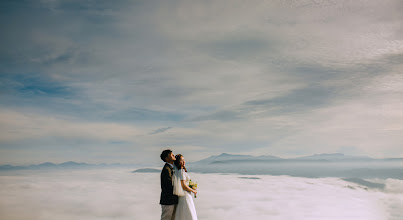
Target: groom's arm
(166, 179)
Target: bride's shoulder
(181, 170)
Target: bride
(185, 210)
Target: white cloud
(119, 194)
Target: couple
(176, 199)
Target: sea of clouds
(121, 194)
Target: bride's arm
(187, 188)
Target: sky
(109, 194)
(120, 81)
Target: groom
(168, 200)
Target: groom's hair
(165, 154)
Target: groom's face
(170, 158)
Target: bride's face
(182, 162)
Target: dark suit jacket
(167, 196)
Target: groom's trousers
(168, 212)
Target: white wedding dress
(185, 210)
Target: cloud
(259, 77)
(160, 130)
(34, 85)
(30, 126)
(118, 193)
(310, 97)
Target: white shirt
(170, 165)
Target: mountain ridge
(313, 166)
(214, 159)
(64, 165)
(225, 157)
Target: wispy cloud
(160, 130)
(263, 77)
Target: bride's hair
(176, 162)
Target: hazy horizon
(315, 166)
(211, 156)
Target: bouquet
(193, 185)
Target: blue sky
(119, 81)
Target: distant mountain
(337, 157)
(332, 157)
(9, 167)
(65, 165)
(224, 157)
(318, 165)
(147, 170)
(70, 164)
(47, 164)
(74, 164)
(393, 159)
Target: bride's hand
(195, 192)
